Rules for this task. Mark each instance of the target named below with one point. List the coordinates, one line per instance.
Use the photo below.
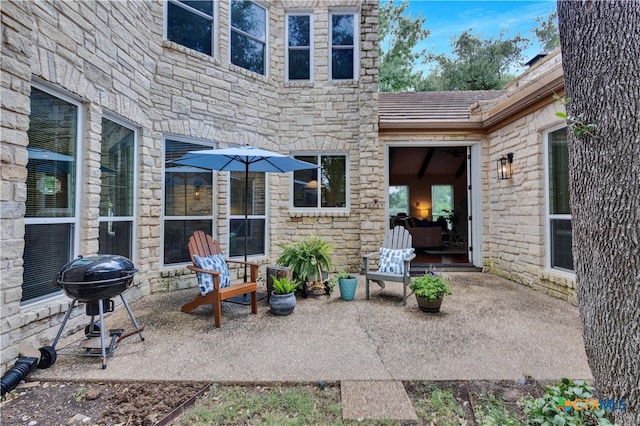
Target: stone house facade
(129, 89)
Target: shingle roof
(415, 108)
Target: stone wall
(111, 56)
(514, 209)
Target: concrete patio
(490, 328)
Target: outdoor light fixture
(505, 166)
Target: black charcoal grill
(95, 280)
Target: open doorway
(429, 193)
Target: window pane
(115, 238)
(255, 237)
(441, 200)
(249, 18)
(334, 181)
(305, 184)
(342, 64)
(299, 33)
(176, 238)
(256, 194)
(188, 29)
(561, 253)
(342, 30)
(47, 249)
(51, 167)
(398, 200)
(558, 173)
(116, 167)
(299, 65)
(247, 53)
(188, 190)
(205, 6)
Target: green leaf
(561, 115)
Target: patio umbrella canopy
(243, 158)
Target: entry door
(469, 207)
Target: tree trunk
(600, 44)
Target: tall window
(299, 52)
(560, 250)
(441, 201)
(116, 195)
(50, 215)
(248, 35)
(398, 199)
(256, 213)
(325, 187)
(343, 46)
(190, 23)
(188, 202)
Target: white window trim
(264, 6)
(53, 298)
(547, 216)
(286, 44)
(213, 19)
(132, 219)
(315, 210)
(163, 217)
(356, 43)
(264, 216)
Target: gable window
(248, 35)
(256, 214)
(559, 213)
(299, 52)
(190, 23)
(188, 202)
(343, 46)
(116, 194)
(324, 187)
(52, 191)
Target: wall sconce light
(197, 189)
(505, 166)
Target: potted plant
(283, 299)
(430, 289)
(308, 260)
(347, 283)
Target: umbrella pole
(246, 215)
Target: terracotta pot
(282, 304)
(431, 306)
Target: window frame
(186, 7)
(549, 217)
(355, 46)
(406, 187)
(289, 48)
(134, 190)
(73, 221)
(265, 42)
(347, 178)
(434, 217)
(164, 218)
(262, 216)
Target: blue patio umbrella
(247, 159)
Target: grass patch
(492, 411)
(268, 405)
(438, 407)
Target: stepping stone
(376, 400)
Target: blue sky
(446, 19)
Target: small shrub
(431, 286)
(283, 285)
(544, 411)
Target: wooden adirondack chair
(203, 245)
(396, 238)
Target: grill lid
(94, 268)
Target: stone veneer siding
(514, 209)
(112, 57)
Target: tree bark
(600, 42)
